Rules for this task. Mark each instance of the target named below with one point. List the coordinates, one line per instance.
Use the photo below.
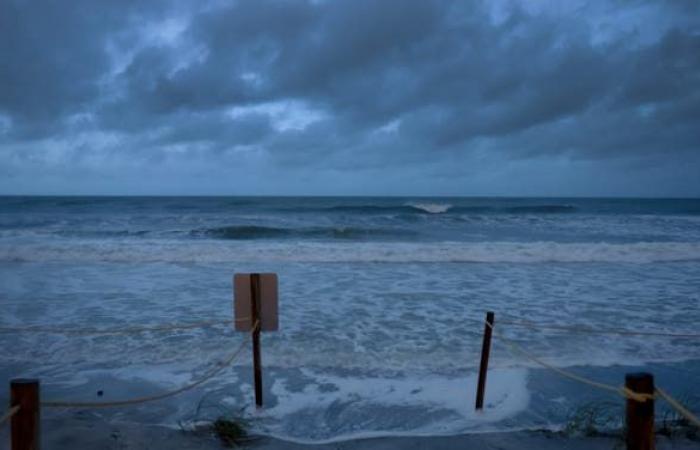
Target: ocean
(382, 302)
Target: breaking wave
(431, 208)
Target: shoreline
(88, 430)
(315, 426)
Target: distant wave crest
(431, 208)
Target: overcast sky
(350, 97)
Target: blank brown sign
(268, 302)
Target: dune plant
(228, 425)
(595, 419)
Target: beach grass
(231, 432)
(595, 419)
(211, 418)
(673, 424)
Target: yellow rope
(10, 412)
(215, 371)
(123, 330)
(638, 396)
(624, 391)
(586, 330)
(517, 349)
(682, 410)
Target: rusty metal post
(25, 423)
(640, 415)
(484, 366)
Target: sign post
(255, 317)
(255, 310)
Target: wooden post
(484, 366)
(25, 423)
(255, 317)
(640, 415)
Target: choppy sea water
(380, 304)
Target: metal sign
(267, 302)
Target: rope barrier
(514, 348)
(682, 410)
(586, 330)
(212, 373)
(517, 349)
(623, 390)
(126, 330)
(10, 412)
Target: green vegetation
(595, 419)
(675, 425)
(608, 419)
(231, 432)
(228, 426)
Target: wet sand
(87, 431)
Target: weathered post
(484, 366)
(255, 318)
(255, 310)
(640, 414)
(25, 423)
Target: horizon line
(620, 197)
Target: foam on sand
(334, 408)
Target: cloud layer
(350, 97)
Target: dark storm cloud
(355, 84)
(54, 57)
(449, 73)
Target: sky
(357, 97)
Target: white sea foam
(400, 252)
(324, 411)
